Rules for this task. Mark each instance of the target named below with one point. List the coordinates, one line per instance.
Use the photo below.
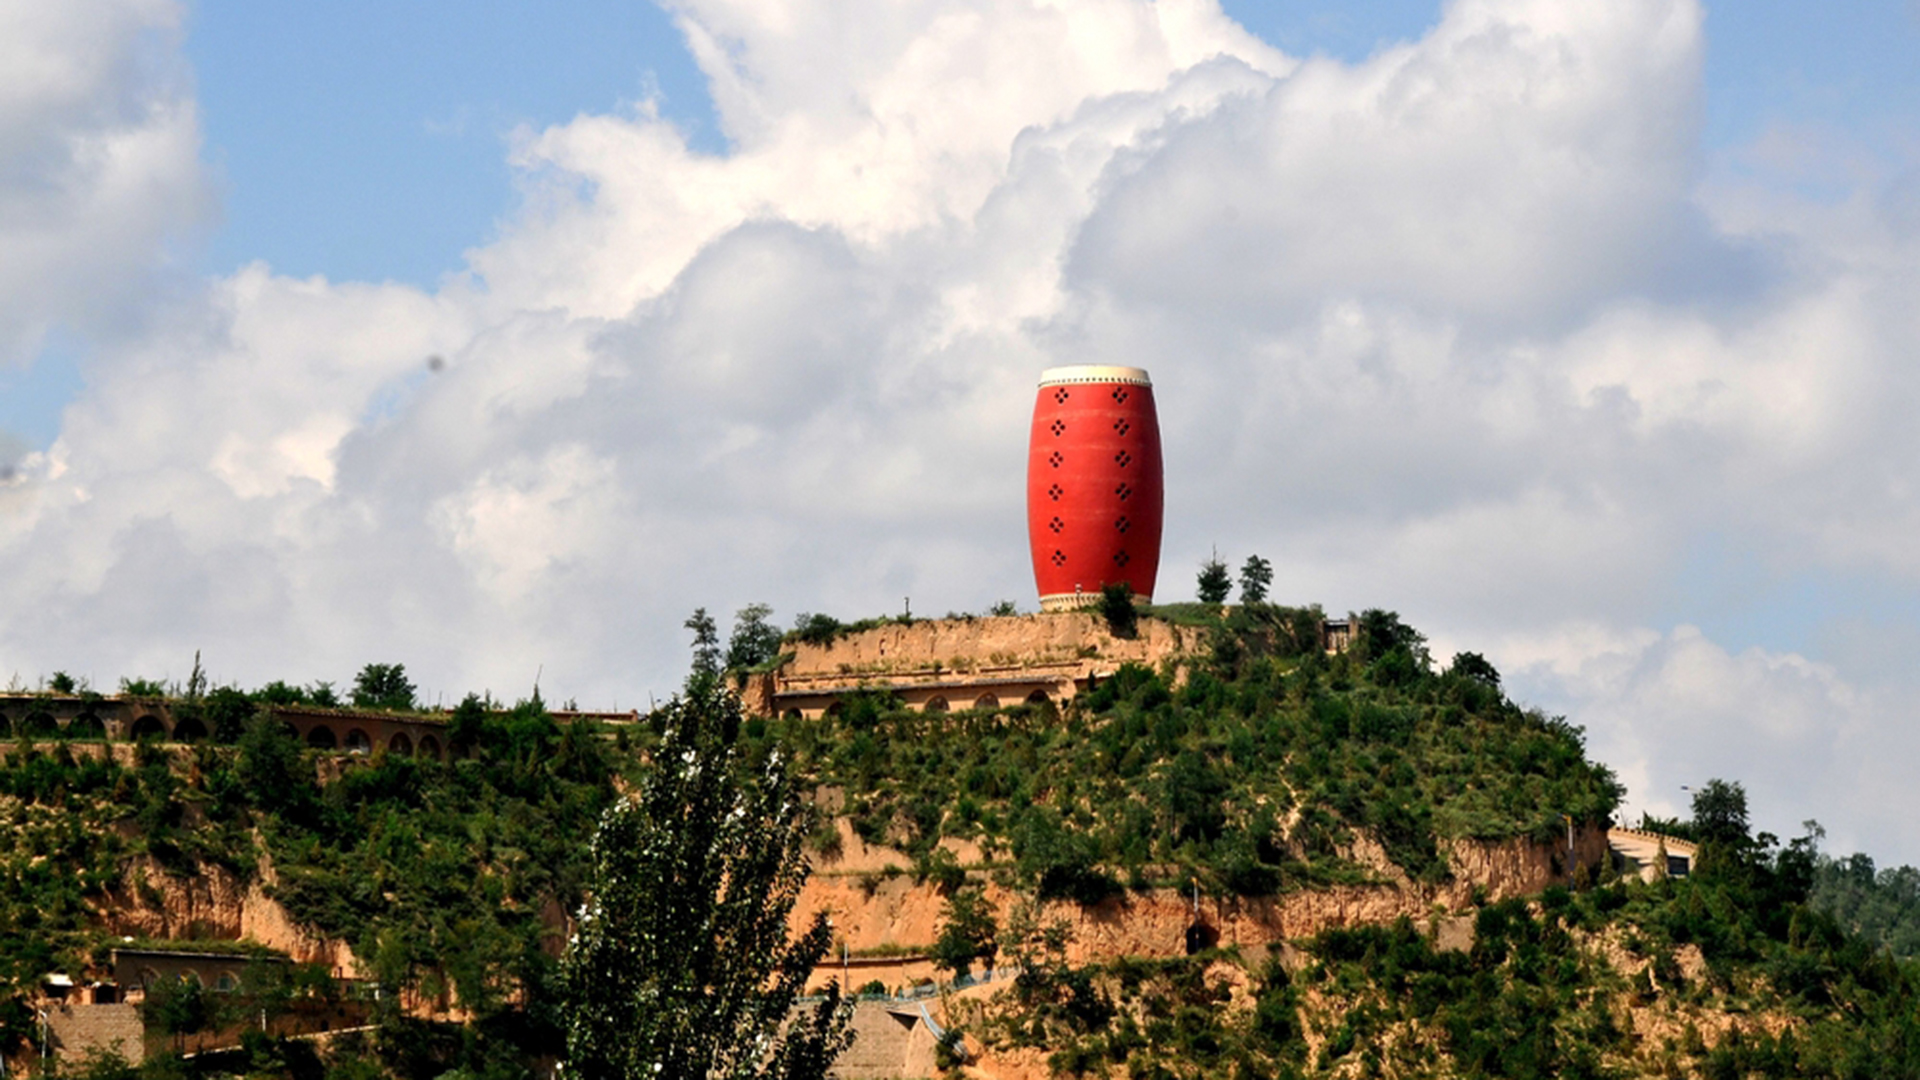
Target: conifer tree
(682, 966)
(1256, 576)
(1215, 581)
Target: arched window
(357, 742)
(321, 738)
(149, 727)
(1038, 697)
(189, 730)
(430, 747)
(936, 704)
(227, 983)
(986, 701)
(401, 745)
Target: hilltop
(1233, 852)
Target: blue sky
(366, 139)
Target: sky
(1583, 338)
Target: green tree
(754, 641)
(227, 710)
(1471, 665)
(467, 727)
(682, 965)
(383, 686)
(1214, 581)
(706, 652)
(180, 1007)
(1256, 575)
(1116, 605)
(1720, 825)
(968, 932)
(273, 771)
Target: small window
(936, 704)
(986, 701)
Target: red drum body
(1094, 494)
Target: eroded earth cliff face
(211, 902)
(1019, 640)
(877, 908)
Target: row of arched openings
(939, 704)
(357, 741)
(43, 724)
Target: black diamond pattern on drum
(1059, 427)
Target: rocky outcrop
(152, 901)
(875, 910)
(1058, 652)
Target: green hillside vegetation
(1570, 984)
(1250, 777)
(1251, 772)
(443, 877)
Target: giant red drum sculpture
(1094, 497)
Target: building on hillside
(84, 1018)
(1651, 855)
(120, 718)
(93, 716)
(941, 665)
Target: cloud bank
(1459, 329)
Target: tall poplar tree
(682, 967)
